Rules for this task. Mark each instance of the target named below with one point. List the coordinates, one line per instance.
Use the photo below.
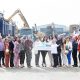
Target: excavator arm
(13, 15)
(18, 11)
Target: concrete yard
(40, 73)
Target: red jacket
(79, 47)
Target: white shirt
(36, 44)
(50, 42)
(69, 44)
(54, 48)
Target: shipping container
(1, 26)
(5, 27)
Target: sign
(44, 46)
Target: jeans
(69, 57)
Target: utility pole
(53, 27)
(35, 27)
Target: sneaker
(54, 66)
(44, 65)
(37, 66)
(22, 66)
(59, 65)
(75, 65)
(29, 66)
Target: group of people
(65, 51)
(14, 50)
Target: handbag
(7, 51)
(66, 51)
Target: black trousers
(59, 58)
(37, 58)
(74, 55)
(43, 56)
(11, 58)
(2, 57)
(79, 56)
(55, 59)
(22, 56)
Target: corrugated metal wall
(6, 28)
(1, 26)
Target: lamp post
(35, 28)
(53, 27)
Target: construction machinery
(18, 11)
(25, 30)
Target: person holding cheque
(37, 43)
(54, 53)
(44, 52)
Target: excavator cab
(25, 30)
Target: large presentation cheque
(44, 46)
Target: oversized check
(44, 46)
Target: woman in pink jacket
(16, 52)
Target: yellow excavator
(25, 29)
(18, 11)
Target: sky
(41, 12)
